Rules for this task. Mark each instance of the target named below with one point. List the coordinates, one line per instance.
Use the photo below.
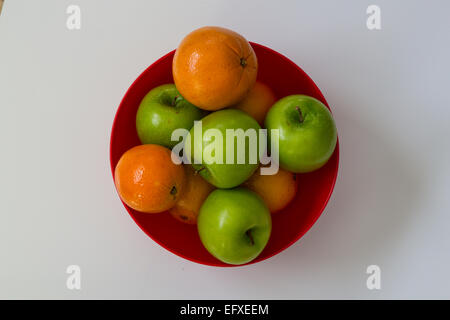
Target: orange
(197, 190)
(257, 102)
(276, 190)
(147, 180)
(214, 68)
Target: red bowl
(289, 225)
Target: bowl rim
(254, 261)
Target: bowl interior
(285, 78)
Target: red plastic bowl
(285, 78)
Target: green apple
(230, 172)
(234, 225)
(307, 132)
(162, 111)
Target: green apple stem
(199, 170)
(174, 101)
(249, 234)
(300, 115)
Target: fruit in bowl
(221, 172)
(257, 102)
(296, 212)
(147, 180)
(214, 67)
(162, 111)
(276, 190)
(234, 225)
(307, 132)
(187, 207)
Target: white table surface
(388, 89)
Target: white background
(388, 89)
